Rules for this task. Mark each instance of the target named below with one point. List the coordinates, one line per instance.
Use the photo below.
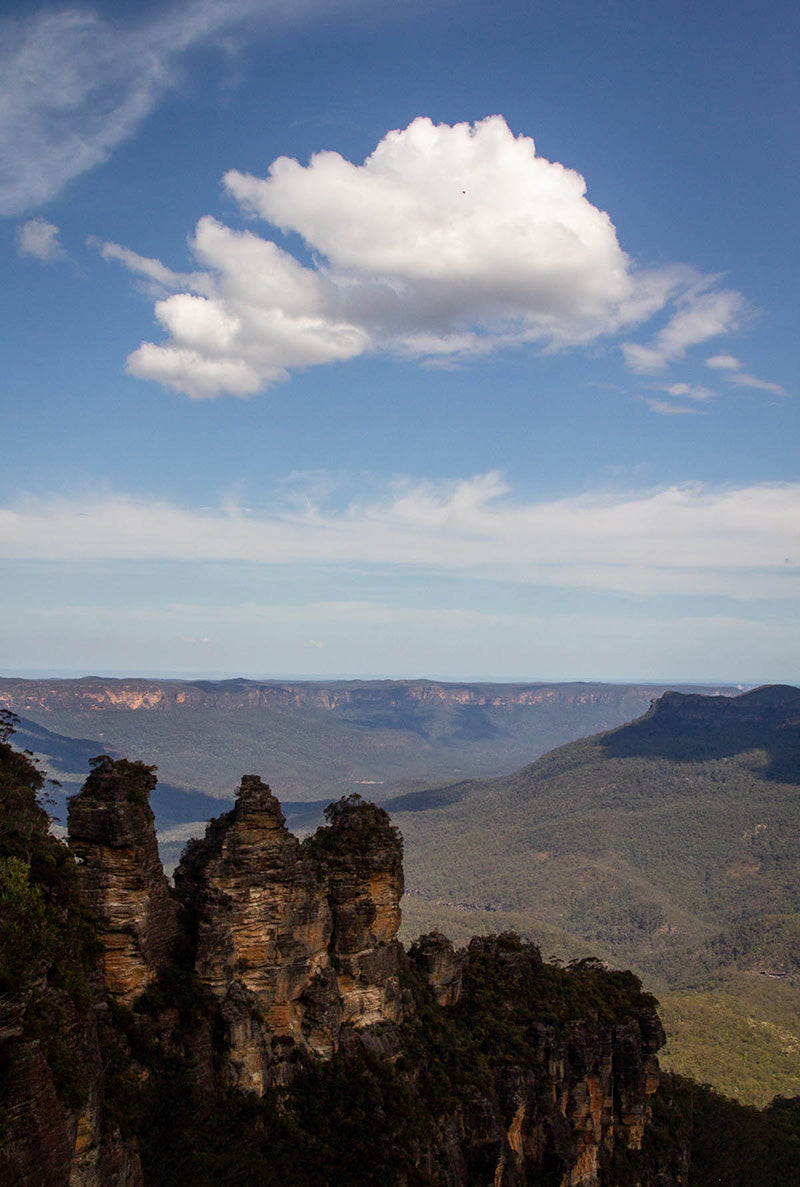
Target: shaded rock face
(293, 941)
(581, 1088)
(47, 1144)
(436, 958)
(112, 835)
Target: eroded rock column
(361, 855)
(263, 926)
(112, 834)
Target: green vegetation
(743, 1032)
(27, 936)
(354, 827)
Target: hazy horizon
(315, 678)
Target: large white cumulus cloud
(447, 241)
(468, 216)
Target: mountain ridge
(321, 739)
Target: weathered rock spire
(112, 834)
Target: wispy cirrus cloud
(75, 85)
(742, 542)
(735, 373)
(701, 315)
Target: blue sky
(451, 339)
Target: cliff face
(95, 693)
(55, 1126)
(112, 834)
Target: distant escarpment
(260, 1024)
(97, 693)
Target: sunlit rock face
(293, 941)
(112, 835)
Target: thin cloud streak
(678, 540)
(735, 373)
(701, 315)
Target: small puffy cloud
(700, 315)
(39, 239)
(686, 391)
(723, 362)
(446, 243)
(677, 540)
(677, 391)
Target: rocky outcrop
(293, 942)
(112, 835)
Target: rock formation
(293, 942)
(112, 834)
(269, 963)
(360, 856)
